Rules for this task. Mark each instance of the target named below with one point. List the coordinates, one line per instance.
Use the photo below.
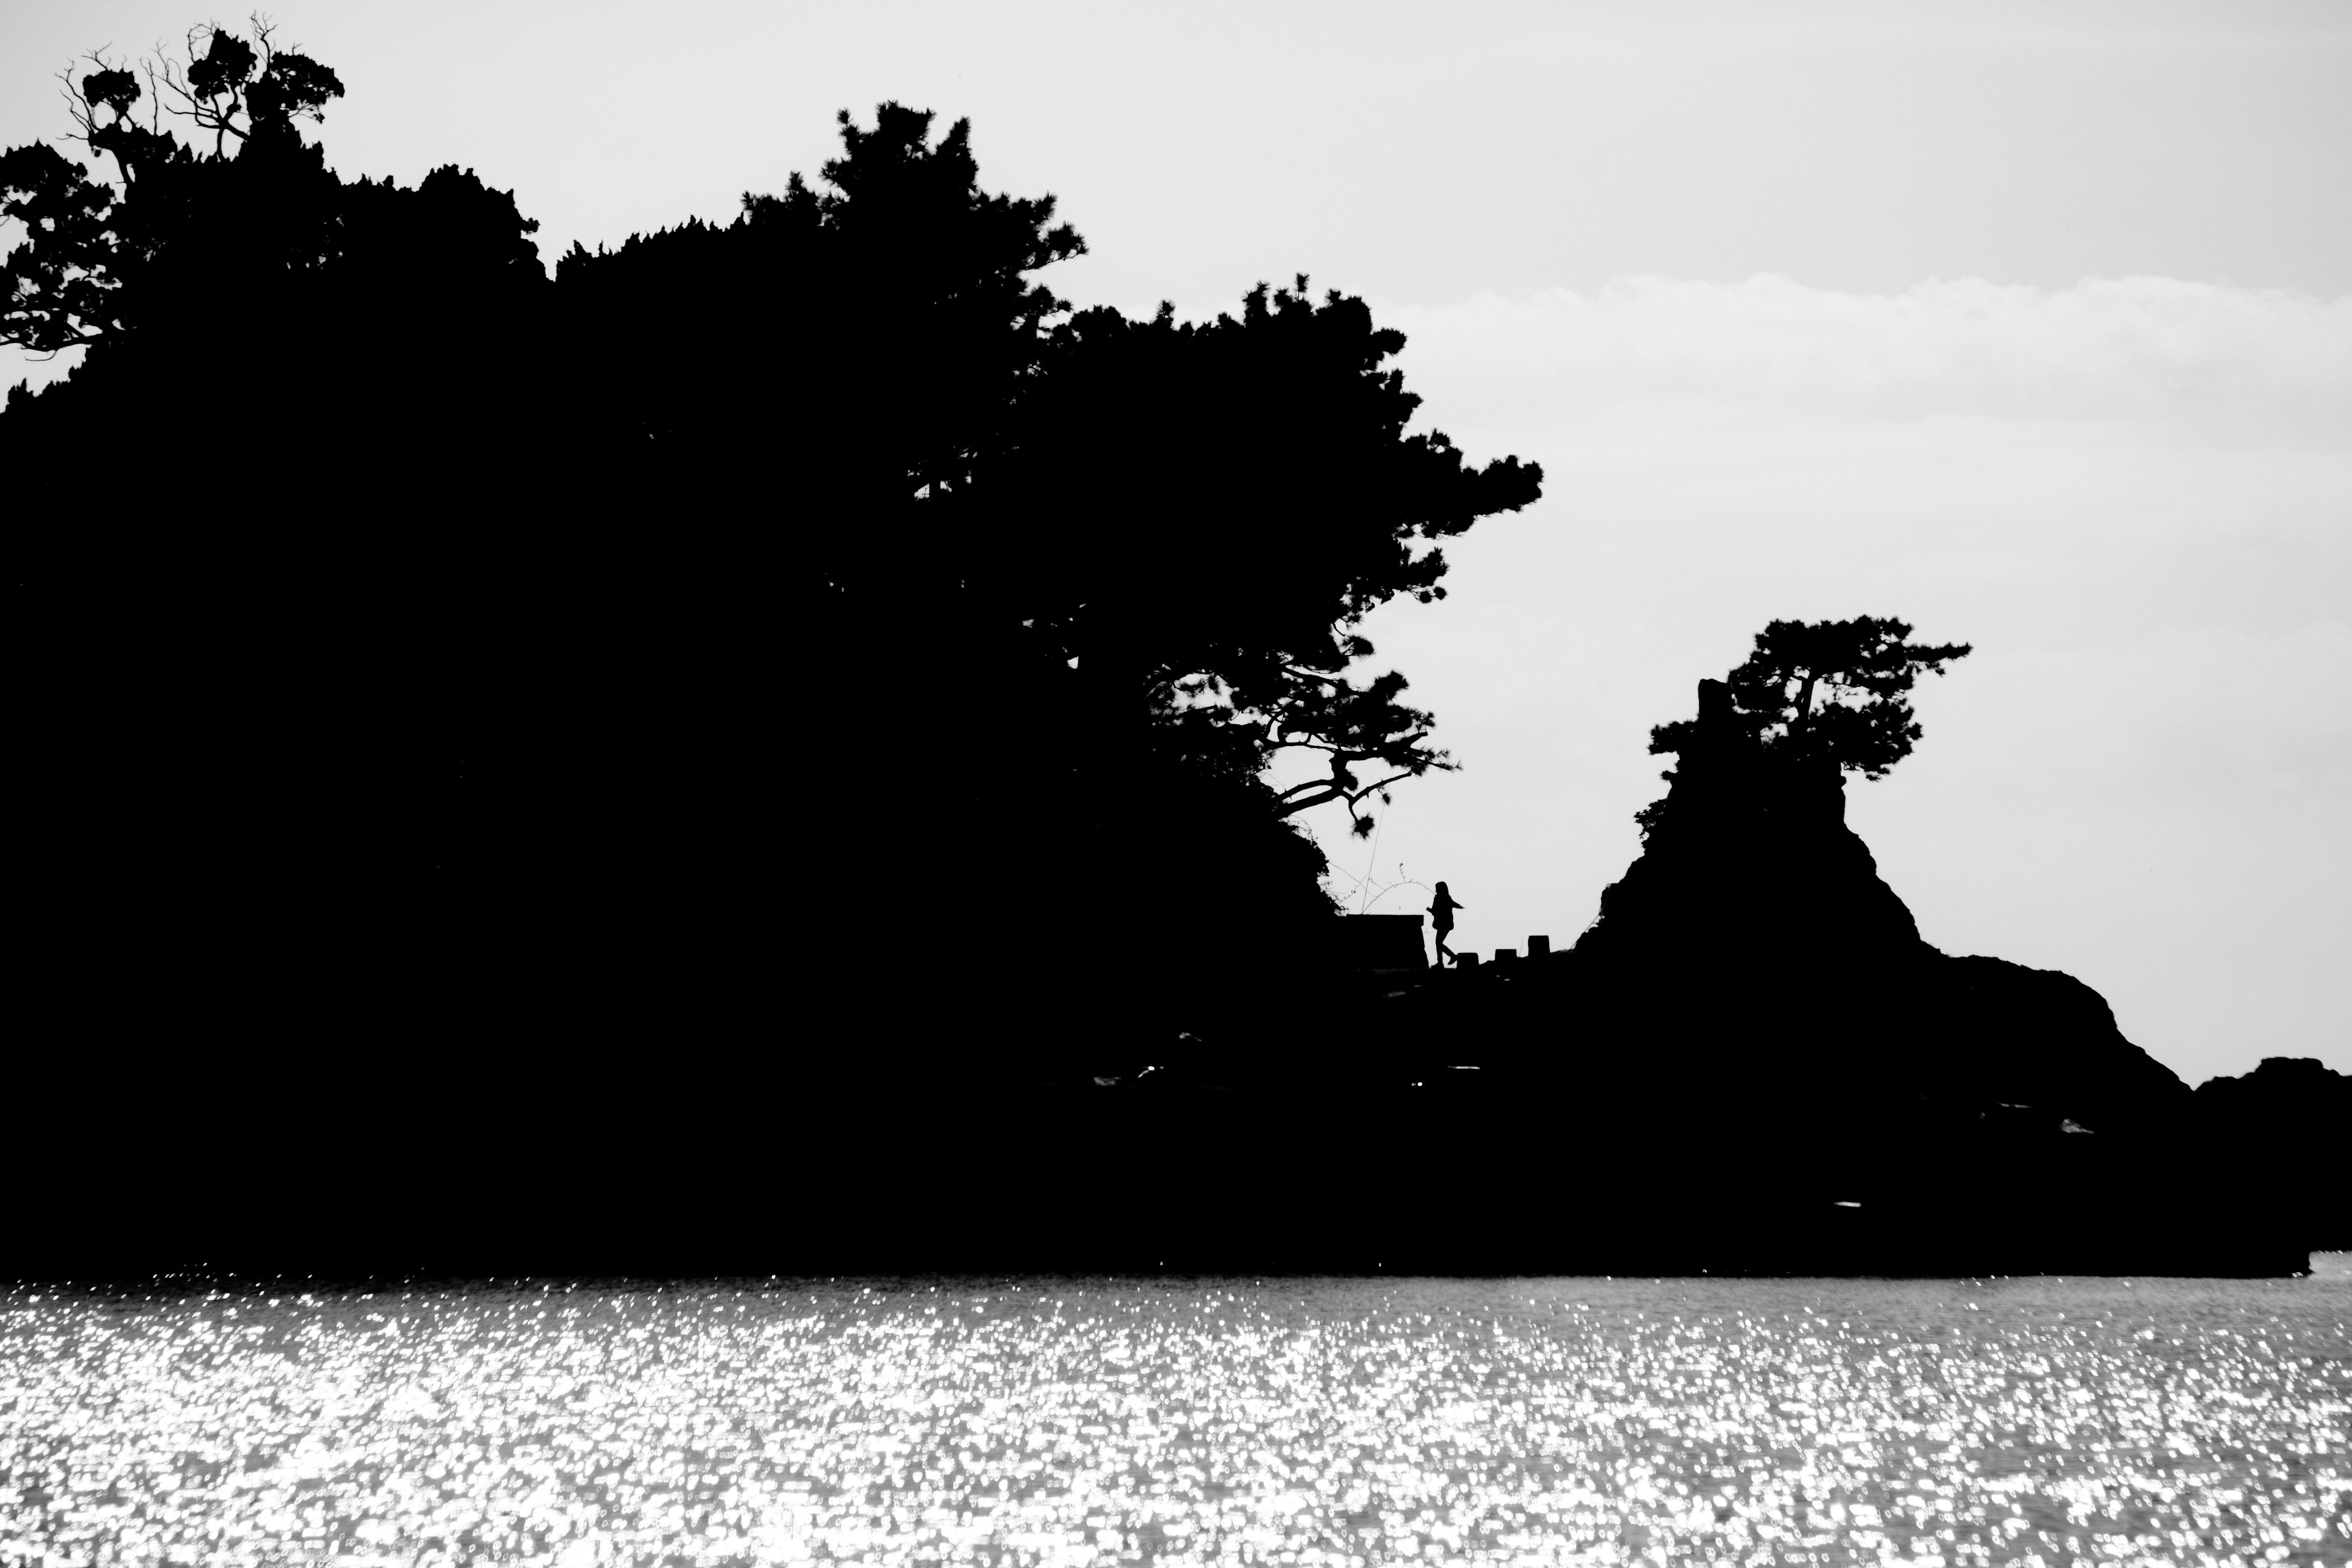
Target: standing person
(1441, 917)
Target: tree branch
(1333, 791)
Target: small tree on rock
(1837, 690)
(1834, 692)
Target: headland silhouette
(613, 770)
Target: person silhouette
(1441, 918)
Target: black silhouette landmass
(1757, 1004)
(619, 772)
(755, 611)
(1751, 1064)
(2278, 1128)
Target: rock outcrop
(1748, 862)
(2280, 1132)
(1756, 925)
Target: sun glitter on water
(1313, 1422)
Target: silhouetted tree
(1836, 690)
(99, 260)
(1831, 695)
(821, 547)
(1203, 514)
(247, 90)
(56, 288)
(874, 335)
(1050, 578)
(268, 533)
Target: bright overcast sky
(2030, 323)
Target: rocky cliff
(1756, 920)
(2280, 1132)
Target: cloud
(2105, 349)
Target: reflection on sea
(1502, 1422)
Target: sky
(2028, 323)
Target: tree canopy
(1837, 691)
(822, 548)
(100, 258)
(1281, 501)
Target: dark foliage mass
(1838, 690)
(805, 605)
(752, 750)
(1815, 695)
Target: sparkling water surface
(1528, 1421)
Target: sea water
(1427, 1421)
